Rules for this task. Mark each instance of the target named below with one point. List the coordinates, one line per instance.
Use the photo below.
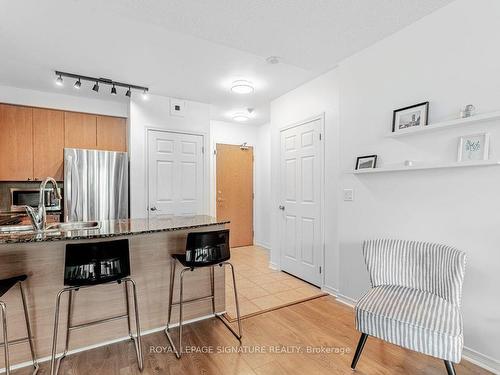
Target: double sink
(51, 228)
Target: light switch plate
(177, 107)
(348, 195)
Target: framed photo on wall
(410, 117)
(474, 147)
(366, 162)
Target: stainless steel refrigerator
(95, 185)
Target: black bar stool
(5, 286)
(92, 264)
(203, 249)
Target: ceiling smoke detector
(273, 60)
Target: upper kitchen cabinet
(48, 144)
(80, 130)
(111, 133)
(16, 143)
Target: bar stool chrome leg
(3, 309)
(238, 317)
(178, 352)
(28, 329)
(136, 339)
(54, 366)
(212, 287)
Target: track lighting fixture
(106, 81)
(59, 80)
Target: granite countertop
(115, 228)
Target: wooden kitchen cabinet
(48, 144)
(80, 130)
(111, 133)
(16, 143)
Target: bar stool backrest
(96, 263)
(207, 248)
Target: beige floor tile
(289, 296)
(267, 302)
(253, 292)
(276, 287)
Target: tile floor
(260, 288)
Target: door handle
(153, 209)
(281, 207)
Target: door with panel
(175, 173)
(234, 191)
(300, 196)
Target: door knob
(282, 208)
(153, 208)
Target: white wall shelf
(447, 124)
(482, 163)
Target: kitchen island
(151, 241)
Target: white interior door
(175, 169)
(300, 196)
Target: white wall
(258, 137)
(154, 113)
(20, 96)
(450, 58)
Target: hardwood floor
(319, 323)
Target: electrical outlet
(348, 195)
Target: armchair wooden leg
(450, 368)
(359, 349)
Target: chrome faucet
(38, 215)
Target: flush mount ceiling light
(241, 117)
(97, 81)
(242, 87)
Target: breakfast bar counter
(151, 242)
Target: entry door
(234, 191)
(175, 167)
(300, 193)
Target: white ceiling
(193, 49)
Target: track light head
(145, 94)
(128, 93)
(77, 84)
(113, 90)
(59, 80)
(96, 87)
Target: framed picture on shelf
(410, 117)
(366, 162)
(474, 147)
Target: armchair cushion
(412, 318)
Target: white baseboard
(114, 341)
(274, 266)
(263, 244)
(481, 360)
(468, 354)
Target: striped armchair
(415, 298)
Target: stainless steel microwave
(20, 197)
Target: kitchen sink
(77, 225)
